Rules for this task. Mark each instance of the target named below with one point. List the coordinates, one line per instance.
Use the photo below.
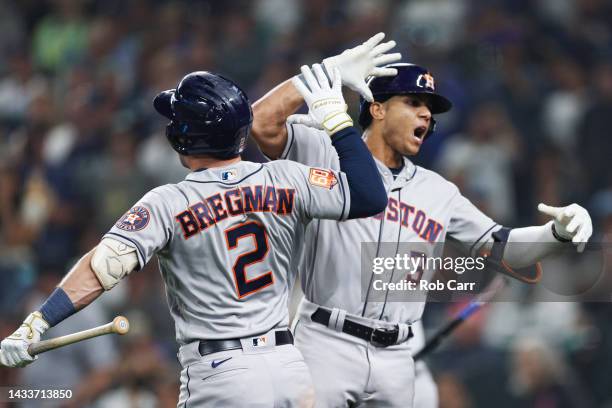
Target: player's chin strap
(495, 260)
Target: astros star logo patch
(134, 220)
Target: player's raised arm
(355, 64)
(327, 111)
(269, 115)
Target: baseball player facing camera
(359, 351)
(225, 239)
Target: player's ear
(377, 110)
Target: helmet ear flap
(177, 139)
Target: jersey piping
(225, 183)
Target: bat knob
(121, 325)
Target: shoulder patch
(322, 178)
(135, 219)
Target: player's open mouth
(420, 132)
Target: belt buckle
(376, 343)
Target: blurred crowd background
(531, 83)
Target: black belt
(214, 346)
(378, 337)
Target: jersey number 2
(245, 286)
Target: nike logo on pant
(216, 364)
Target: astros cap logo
(425, 81)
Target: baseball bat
(119, 325)
(475, 305)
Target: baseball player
(224, 238)
(357, 349)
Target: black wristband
(557, 236)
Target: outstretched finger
(336, 79)
(554, 212)
(375, 39)
(321, 77)
(383, 72)
(383, 48)
(309, 78)
(365, 92)
(301, 87)
(387, 58)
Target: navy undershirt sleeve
(368, 194)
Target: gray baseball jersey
(422, 207)
(226, 239)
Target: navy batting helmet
(410, 79)
(209, 114)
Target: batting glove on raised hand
(14, 348)
(357, 64)
(571, 223)
(326, 106)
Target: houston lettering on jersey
(242, 200)
(425, 227)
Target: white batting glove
(326, 106)
(357, 64)
(572, 223)
(14, 348)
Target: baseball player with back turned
(358, 350)
(224, 238)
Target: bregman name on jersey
(248, 199)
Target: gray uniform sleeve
(146, 226)
(321, 193)
(467, 223)
(309, 146)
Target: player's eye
(415, 103)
